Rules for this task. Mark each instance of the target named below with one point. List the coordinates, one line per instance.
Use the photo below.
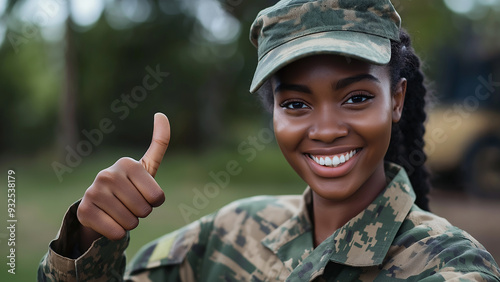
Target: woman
(347, 97)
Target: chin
(334, 190)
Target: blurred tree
(27, 104)
(68, 129)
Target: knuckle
(92, 194)
(125, 163)
(105, 176)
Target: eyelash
(366, 97)
(287, 105)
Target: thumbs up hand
(124, 192)
(161, 136)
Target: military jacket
(270, 238)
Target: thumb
(161, 137)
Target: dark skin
(324, 106)
(328, 108)
(124, 192)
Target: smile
(335, 160)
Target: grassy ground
(41, 200)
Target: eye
(358, 98)
(294, 105)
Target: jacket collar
(292, 241)
(363, 241)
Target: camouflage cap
(293, 29)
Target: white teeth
(335, 160)
(328, 161)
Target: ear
(398, 100)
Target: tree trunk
(68, 129)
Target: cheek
(288, 132)
(375, 128)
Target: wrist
(87, 237)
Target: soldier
(336, 75)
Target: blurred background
(80, 82)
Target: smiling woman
(345, 108)
(347, 97)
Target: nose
(327, 127)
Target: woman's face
(332, 119)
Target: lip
(331, 151)
(333, 172)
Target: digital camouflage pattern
(104, 261)
(293, 29)
(269, 238)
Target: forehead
(338, 66)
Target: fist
(124, 192)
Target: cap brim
(357, 45)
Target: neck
(330, 215)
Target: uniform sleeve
(463, 259)
(428, 248)
(453, 256)
(103, 261)
(177, 256)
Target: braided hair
(407, 137)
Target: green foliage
(28, 103)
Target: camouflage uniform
(270, 238)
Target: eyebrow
(292, 87)
(353, 79)
(340, 84)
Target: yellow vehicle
(465, 140)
